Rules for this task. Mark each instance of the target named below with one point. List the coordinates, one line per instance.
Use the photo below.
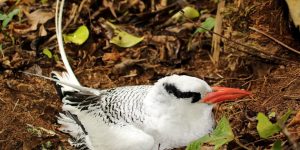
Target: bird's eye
(172, 89)
(196, 97)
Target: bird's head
(189, 89)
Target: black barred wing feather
(120, 105)
(81, 101)
(98, 121)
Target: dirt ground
(29, 105)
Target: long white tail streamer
(58, 26)
(74, 83)
(77, 87)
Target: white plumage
(138, 117)
(171, 113)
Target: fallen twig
(3, 100)
(237, 141)
(78, 12)
(15, 105)
(275, 40)
(125, 64)
(216, 40)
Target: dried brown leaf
(21, 28)
(42, 31)
(295, 120)
(39, 16)
(111, 57)
(125, 65)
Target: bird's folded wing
(94, 132)
(102, 121)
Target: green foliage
(186, 12)
(6, 18)
(1, 50)
(44, 1)
(47, 145)
(190, 12)
(56, 58)
(281, 121)
(47, 52)
(266, 128)
(277, 146)
(208, 24)
(122, 38)
(221, 135)
(78, 37)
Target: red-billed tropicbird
(173, 112)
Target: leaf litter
(162, 51)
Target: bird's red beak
(220, 94)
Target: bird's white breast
(178, 124)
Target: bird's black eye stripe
(170, 88)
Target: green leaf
(208, 24)
(56, 58)
(277, 146)
(9, 17)
(78, 37)
(14, 12)
(47, 52)
(265, 127)
(3, 16)
(44, 1)
(122, 38)
(188, 12)
(221, 135)
(1, 50)
(196, 145)
(281, 121)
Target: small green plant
(6, 18)
(221, 135)
(277, 146)
(47, 52)
(208, 24)
(186, 12)
(122, 38)
(1, 50)
(44, 1)
(47, 145)
(79, 36)
(266, 128)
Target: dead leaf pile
(40, 16)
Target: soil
(29, 105)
